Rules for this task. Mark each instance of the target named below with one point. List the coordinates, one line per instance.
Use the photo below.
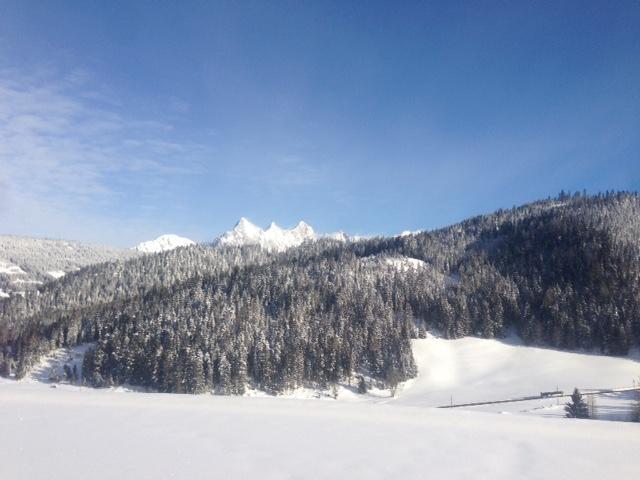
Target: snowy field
(72, 432)
(475, 370)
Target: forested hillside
(27, 262)
(562, 272)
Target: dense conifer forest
(562, 272)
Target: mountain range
(273, 310)
(273, 238)
(28, 262)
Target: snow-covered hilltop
(273, 238)
(163, 243)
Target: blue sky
(120, 121)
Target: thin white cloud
(65, 150)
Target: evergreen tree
(561, 273)
(362, 385)
(577, 407)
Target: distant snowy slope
(57, 274)
(400, 263)
(163, 243)
(475, 369)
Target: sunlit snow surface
(57, 274)
(77, 433)
(475, 367)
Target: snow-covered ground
(405, 263)
(53, 365)
(475, 370)
(83, 433)
(77, 432)
(398, 262)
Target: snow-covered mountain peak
(304, 229)
(245, 225)
(274, 227)
(273, 238)
(163, 243)
(245, 229)
(244, 233)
